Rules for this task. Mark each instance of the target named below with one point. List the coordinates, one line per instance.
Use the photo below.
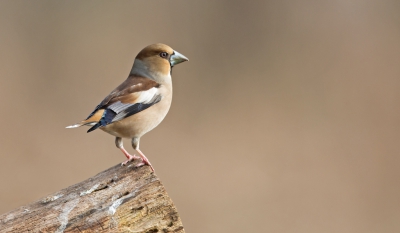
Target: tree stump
(120, 199)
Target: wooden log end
(120, 199)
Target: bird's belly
(140, 123)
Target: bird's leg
(119, 144)
(145, 161)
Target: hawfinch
(139, 103)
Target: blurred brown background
(286, 118)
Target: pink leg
(145, 161)
(119, 144)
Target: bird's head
(157, 59)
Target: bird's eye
(163, 54)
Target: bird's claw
(143, 162)
(130, 158)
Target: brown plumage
(141, 102)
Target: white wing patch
(145, 100)
(148, 95)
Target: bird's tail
(74, 126)
(81, 124)
(91, 121)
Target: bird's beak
(177, 58)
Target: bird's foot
(130, 158)
(145, 161)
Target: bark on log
(120, 199)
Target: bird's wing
(134, 95)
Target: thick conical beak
(177, 58)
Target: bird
(139, 103)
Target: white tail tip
(73, 126)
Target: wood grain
(120, 199)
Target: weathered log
(120, 199)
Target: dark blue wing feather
(107, 117)
(119, 111)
